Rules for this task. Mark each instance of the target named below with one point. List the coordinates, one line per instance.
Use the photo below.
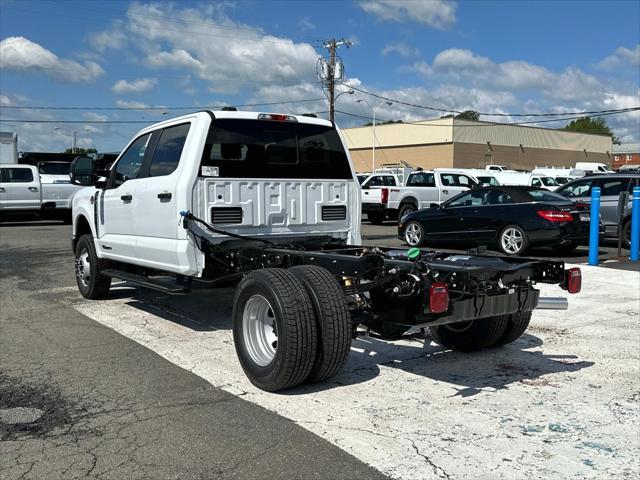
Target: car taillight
(384, 196)
(555, 216)
(438, 297)
(573, 280)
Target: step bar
(146, 282)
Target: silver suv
(610, 187)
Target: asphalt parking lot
(145, 385)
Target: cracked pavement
(114, 409)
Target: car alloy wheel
(413, 234)
(512, 240)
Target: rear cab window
(272, 149)
(16, 175)
(168, 151)
(421, 179)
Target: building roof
(450, 130)
(627, 148)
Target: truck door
(425, 188)
(158, 205)
(20, 188)
(116, 228)
(450, 185)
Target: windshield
(549, 182)
(546, 196)
(54, 168)
(273, 149)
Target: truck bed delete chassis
(387, 291)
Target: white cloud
(401, 49)
(137, 86)
(439, 14)
(94, 117)
(114, 38)
(5, 100)
(621, 57)
(229, 56)
(21, 54)
(306, 25)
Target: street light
(373, 139)
(348, 92)
(74, 136)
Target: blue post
(594, 226)
(635, 225)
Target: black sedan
(513, 218)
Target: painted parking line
(562, 402)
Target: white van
(593, 167)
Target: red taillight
(278, 117)
(384, 195)
(555, 216)
(438, 297)
(573, 280)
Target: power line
(436, 109)
(193, 107)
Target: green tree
(466, 115)
(596, 125)
(81, 150)
(383, 123)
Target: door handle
(33, 189)
(2, 189)
(164, 196)
(126, 198)
(445, 191)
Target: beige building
(448, 142)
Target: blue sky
(490, 56)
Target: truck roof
(239, 115)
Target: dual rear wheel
(290, 326)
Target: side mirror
(434, 205)
(83, 172)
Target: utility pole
(329, 73)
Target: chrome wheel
(259, 330)
(83, 268)
(413, 234)
(512, 240)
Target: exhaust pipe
(553, 303)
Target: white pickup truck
(271, 201)
(425, 188)
(375, 195)
(23, 189)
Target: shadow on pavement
(474, 373)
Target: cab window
(389, 181)
(130, 162)
(421, 179)
(376, 181)
(166, 155)
(16, 175)
(613, 187)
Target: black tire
(523, 246)
(626, 234)
(405, 210)
(94, 285)
(471, 335)
(516, 326)
(333, 317)
(295, 329)
(567, 248)
(376, 218)
(414, 234)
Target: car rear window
(271, 149)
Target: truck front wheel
(91, 283)
(471, 335)
(274, 329)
